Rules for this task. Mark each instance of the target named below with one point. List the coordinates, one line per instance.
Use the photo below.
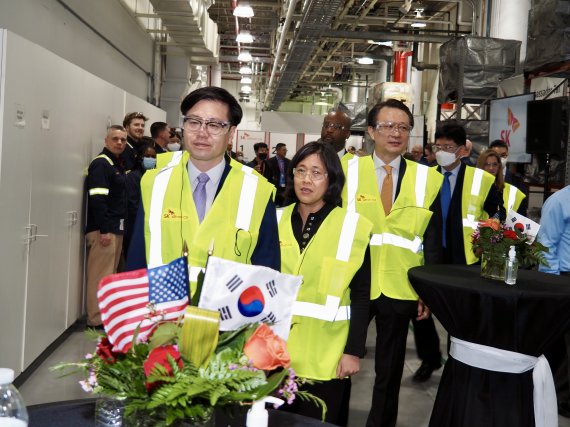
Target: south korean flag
(244, 294)
(525, 225)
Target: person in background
(261, 153)
(512, 179)
(554, 233)
(467, 196)
(336, 130)
(134, 124)
(106, 213)
(467, 153)
(197, 205)
(384, 188)
(174, 141)
(417, 152)
(429, 156)
(276, 172)
(335, 266)
(160, 133)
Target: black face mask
(262, 156)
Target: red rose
(105, 352)
(159, 356)
(510, 234)
(266, 350)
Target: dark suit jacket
(265, 253)
(455, 253)
(272, 172)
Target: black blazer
(454, 253)
(272, 172)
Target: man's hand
(348, 365)
(105, 239)
(423, 311)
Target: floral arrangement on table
(492, 241)
(165, 378)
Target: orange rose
(266, 350)
(492, 223)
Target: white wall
(50, 25)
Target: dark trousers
(392, 320)
(335, 393)
(427, 341)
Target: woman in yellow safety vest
(328, 246)
(490, 161)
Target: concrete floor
(416, 400)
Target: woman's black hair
(330, 159)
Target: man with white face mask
(461, 183)
(520, 193)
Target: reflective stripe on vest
(246, 198)
(421, 181)
(470, 221)
(347, 236)
(99, 191)
(193, 272)
(352, 184)
(330, 312)
(279, 213)
(512, 197)
(391, 239)
(104, 156)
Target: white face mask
(444, 158)
(504, 162)
(173, 146)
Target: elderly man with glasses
(200, 197)
(399, 197)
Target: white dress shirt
(215, 175)
(452, 177)
(381, 173)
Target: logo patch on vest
(171, 214)
(366, 198)
(285, 244)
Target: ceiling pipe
(420, 66)
(277, 66)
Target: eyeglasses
(391, 127)
(315, 175)
(491, 165)
(335, 126)
(447, 148)
(213, 127)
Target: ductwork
(420, 66)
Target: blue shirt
(554, 232)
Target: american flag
(126, 299)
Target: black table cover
(526, 318)
(75, 413)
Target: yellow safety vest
(321, 314)
(397, 240)
(476, 186)
(512, 197)
(231, 225)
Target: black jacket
(106, 196)
(272, 172)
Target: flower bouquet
(184, 370)
(492, 241)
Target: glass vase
(493, 267)
(109, 412)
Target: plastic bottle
(258, 416)
(13, 412)
(511, 267)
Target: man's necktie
(199, 195)
(387, 189)
(445, 201)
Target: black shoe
(424, 372)
(564, 409)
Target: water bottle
(13, 412)
(511, 267)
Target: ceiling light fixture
(246, 89)
(365, 60)
(419, 24)
(244, 56)
(388, 43)
(244, 37)
(245, 80)
(245, 70)
(243, 10)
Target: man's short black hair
(498, 143)
(451, 130)
(156, 128)
(390, 103)
(214, 93)
(259, 145)
(330, 159)
(279, 145)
